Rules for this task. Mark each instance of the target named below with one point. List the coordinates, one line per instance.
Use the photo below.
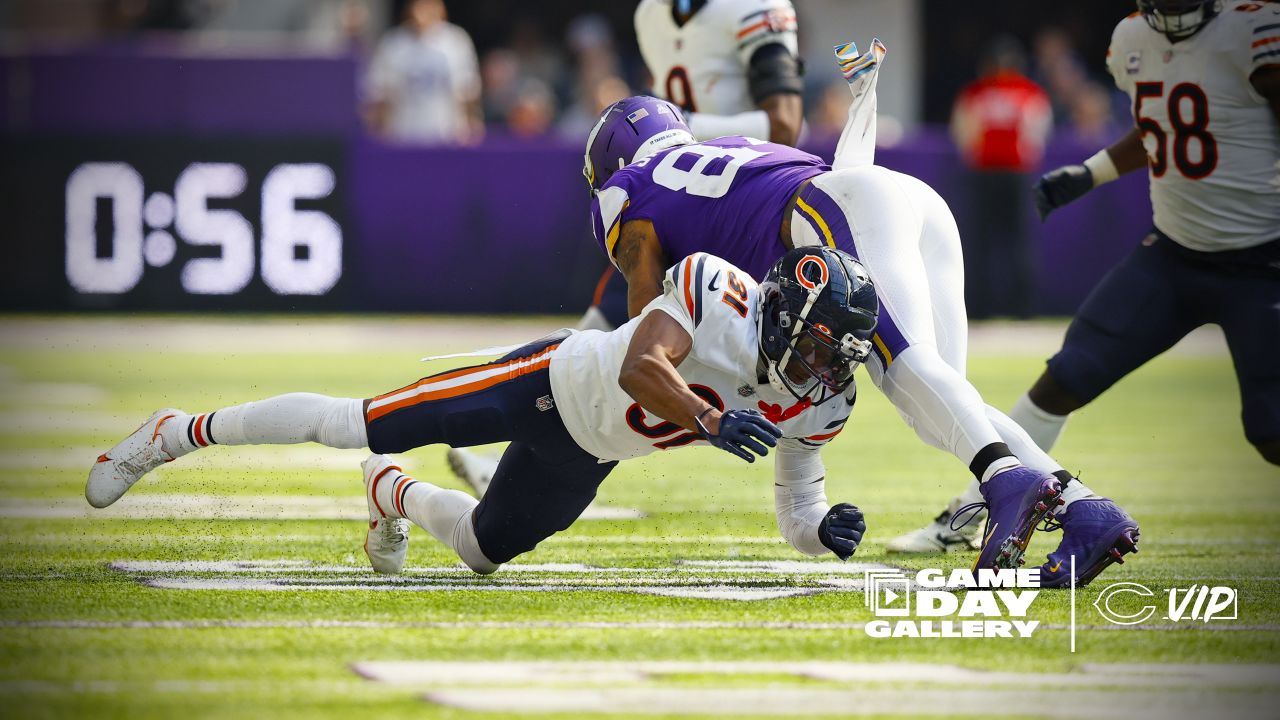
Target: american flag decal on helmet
(638, 115)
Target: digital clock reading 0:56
(299, 253)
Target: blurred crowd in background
(437, 71)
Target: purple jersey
(724, 197)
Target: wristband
(1102, 167)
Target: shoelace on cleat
(395, 532)
(974, 509)
(1049, 524)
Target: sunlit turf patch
(708, 580)
(85, 640)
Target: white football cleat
(123, 465)
(938, 537)
(474, 469)
(387, 541)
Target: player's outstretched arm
(649, 376)
(1068, 183)
(639, 256)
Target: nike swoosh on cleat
(711, 286)
(103, 458)
(1055, 568)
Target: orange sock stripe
(373, 488)
(200, 436)
(541, 361)
(395, 494)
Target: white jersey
(718, 305)
(1212, 142)
(702, 64)
(428, 80)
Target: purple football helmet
(628, 130)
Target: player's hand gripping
(841, 530)
(1059, 187)
(741, 433)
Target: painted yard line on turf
(1164, 704)
(542, 625)
(507, 673)
(195, 506)
(708, 580)
(777, 567)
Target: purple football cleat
(1017, 500)
(1098, 533)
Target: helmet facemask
(802, 356)
(1178, 19)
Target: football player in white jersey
(731, 65)
(1204, 80)
(715, 359)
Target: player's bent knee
(1051, 397)
(467, 545)
(342, 425)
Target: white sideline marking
(735, 701)
(195, 506)
(540, 625)
(708, 580)
(549, 672)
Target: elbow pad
(774, 69)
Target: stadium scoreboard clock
(176, 224)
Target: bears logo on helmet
(819, 311)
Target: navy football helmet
(1178, 19)
(629, 130)
(819, 311)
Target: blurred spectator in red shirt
(1000, 123)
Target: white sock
(1016, 437)
(446, 514)
(1074, 491)
(1043, 427)
(971, 494)
(281, 420)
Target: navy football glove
(841, 530)
(742, 432)
(1059, 187)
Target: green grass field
(97, 619)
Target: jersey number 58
(1185, 129)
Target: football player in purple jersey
(659, 196)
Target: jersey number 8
(706, 171)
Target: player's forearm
(651, 379)
(799, 516)
(799, 496)
(1127, 154)
(786, 115)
